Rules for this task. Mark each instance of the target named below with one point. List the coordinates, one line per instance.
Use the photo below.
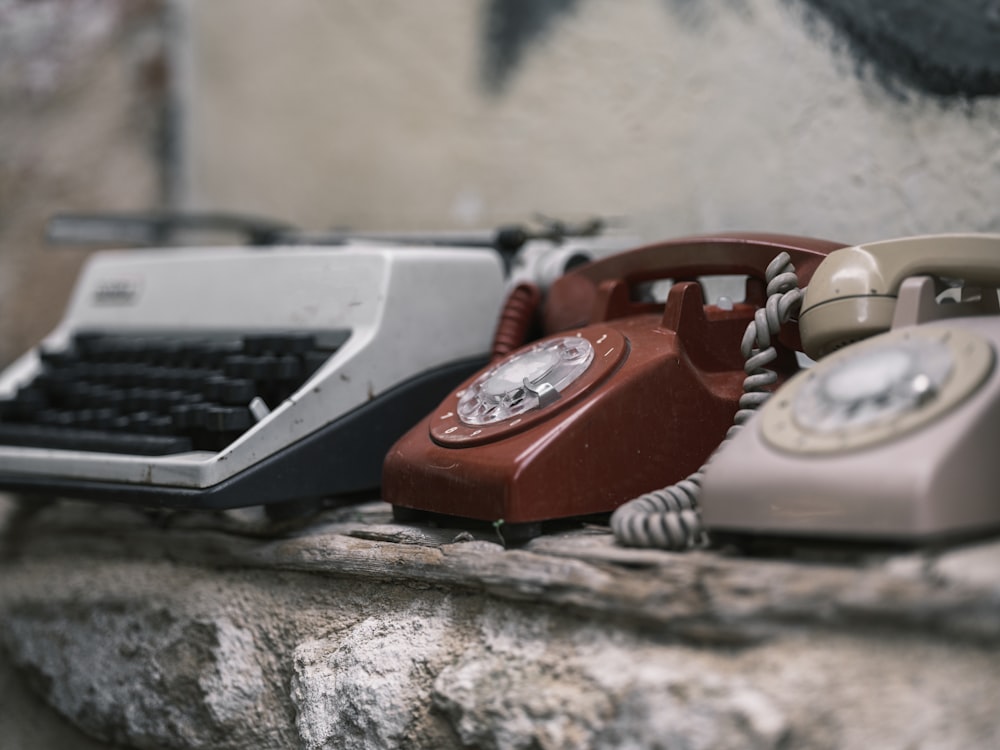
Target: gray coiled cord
(669, 518)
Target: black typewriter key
(194, 353)
(227, 418)
(161, 424)
(215, 352)
(229, 346)
(122, 374)
(172, 397)
(85, 341)
(53, 382)
(157, 351)
(211, 388)
(79, 394)
(126, 350)
(158, 377)
(91, 348)
(189, 397)
(296, 343)
(134, 350)
(115, 398)
(158, 400)
(14, 410)
(102, 395)
(134, 399)
(191, 352)
(188, 379)
(268, 366)
(140, 421)
(152, 399)
(29, 402)
(104, 418)
(121, 423)
(70, 417)
(115, 374)
(185, 416)
(237, 366)
(167, 397)
(257, 344)
(56, 418)
(171, 378)
(237, 391)
(144, 399)
(288, 367)
(190, 416)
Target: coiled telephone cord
(516, 320)
(669, 518)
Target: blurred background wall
(683, 115)
(83, 92)
(837, 118)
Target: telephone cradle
(621, 396)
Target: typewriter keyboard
(159, 394)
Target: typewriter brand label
(121, 291)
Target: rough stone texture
(349, 632)
(28, 723)
(368, 686)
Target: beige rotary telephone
(894, 435)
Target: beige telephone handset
(854, 292)
(893, 438)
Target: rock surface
(351, 632)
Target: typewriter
(214, 378)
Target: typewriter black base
(344, 457)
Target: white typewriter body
(408, 311)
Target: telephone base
(924, 474)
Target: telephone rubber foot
(401, 514)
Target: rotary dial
(874, 386)
(877, 390)
(528, 380)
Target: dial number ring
(448, 427)
(877, 390)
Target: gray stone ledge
(220, 631)
(698, 595)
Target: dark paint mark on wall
(510, 27)
(948, 48)
(945, 48)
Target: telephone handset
(891, 438)
(853, 293)
(622, 395)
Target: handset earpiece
(852, 295)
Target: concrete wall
(82, 90)
(814, 116)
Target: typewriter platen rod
(158, 229)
